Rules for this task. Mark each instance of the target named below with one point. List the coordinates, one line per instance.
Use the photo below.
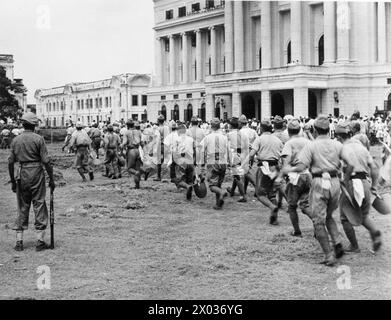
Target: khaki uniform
(298, 185)
(268, 149)
(111, 143)
(214, 147)
(183, 154)
(29, 150)
(323, 156)
(132, 142)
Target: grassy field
(115, 242)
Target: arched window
(163, 112)
(260, 58)
(210, 66)
(321, 50)
(189, 111)
(175, 115)
(387, 103)
(202, 112)
(218, 110)
(288, 53)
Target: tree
(9, 106)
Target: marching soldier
(111, 142)
(29, 151)
(299, 183)
(71, 129)
(279, 131)
(359, 164)
(163, 132)
(322, 156)
(252, 135)
(239, 147)
(132, 142)
(184, 159)
(96, 138)
(355, 127)
(215, 155)
(81, 142)
(169, 143)
(268, 148)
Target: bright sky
(55, 42)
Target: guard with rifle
(29, 152)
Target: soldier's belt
(30, 164)
(359, 175)
(319, 175)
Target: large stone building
(7, 62)
(118, 98)
(261, 58)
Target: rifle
(51, 218)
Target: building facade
(7, 62)
(263, 58)
(119, 98)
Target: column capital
(197, 30)
(170, 36)
(183, 34)
(212, 28)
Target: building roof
(113, 82)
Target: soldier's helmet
(160, 118)
(110, 128)
(30, 118)
(129, 122)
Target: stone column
(199, 68)
(239, 36)
(343, 26)
(329, 31)
(266, 35)
(185, 58)
(265, 104)
(172, 59)
(381, 32)
(296, 32)
(300, 102)
(228, 29)
(213, 50)
(158, 61)
(210, 107)
(236, 104)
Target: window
(176, 96)
(144, 100)
(162, 97)
(135, 117)
(210, 4)
(134, 100)
(193, 40)
(182, 12)
(166, 45)
(189, 95)
(202, 94)
(120, 99)
(321, 50)
(288, 53)
(106, 102)
(195, 7)
(82, 104)
(169, 14)
(209, 36)
(163, 112)
(210, 66)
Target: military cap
(234, 120)
(266, 123)
(137, 124)
(278, 119)
(30, 118)
(322, 122)
(79, 124)
(181, 127)
(215, 122)
(110, 127)
(174, 125)
(288, 117)
(129, 122)
(160, 118)
(342, 127)
(243, 119)
(194, 119)
(294, 124)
